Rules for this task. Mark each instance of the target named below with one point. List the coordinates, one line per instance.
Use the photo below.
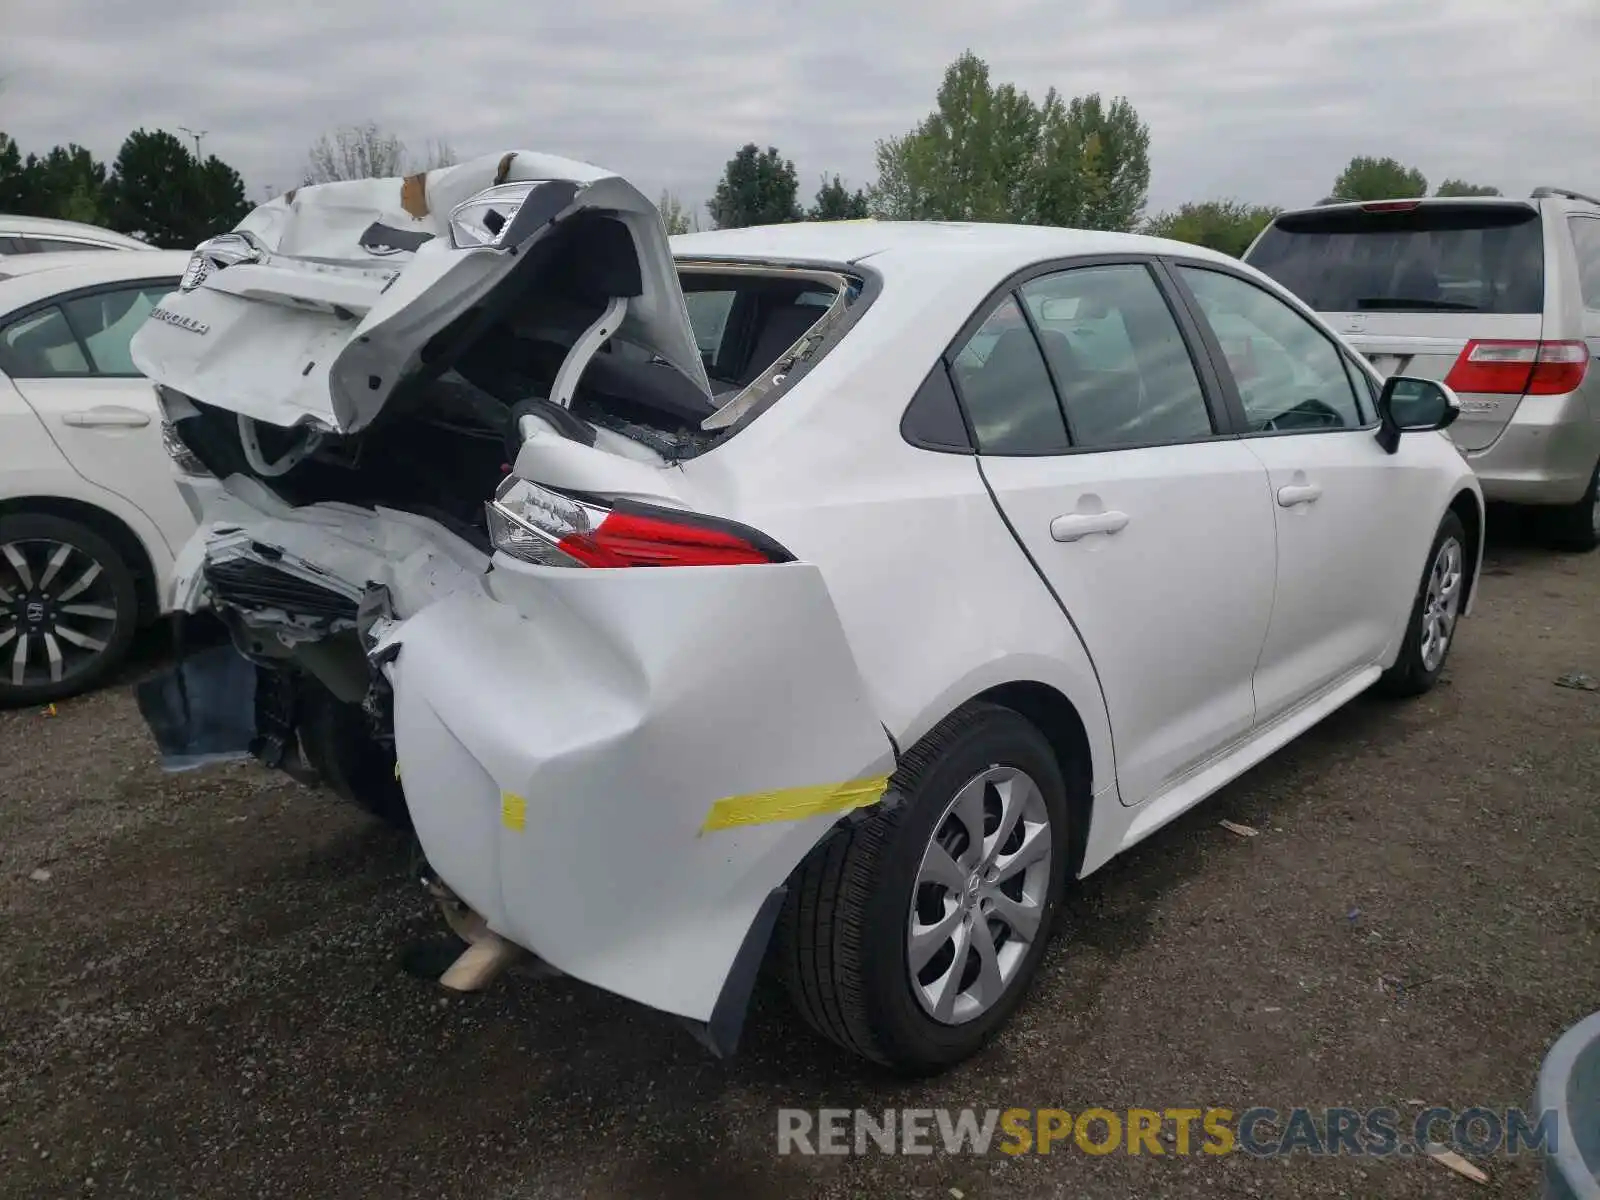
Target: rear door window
(1006, 386)
(1432, 258)
(41, 345)
(106, 322)
(1121, 363)
(39, 245)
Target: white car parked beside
(47, 235)
(842, 592)
(89, 516)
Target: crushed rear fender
(620, 768)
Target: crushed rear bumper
(618, 770)
(623, 785)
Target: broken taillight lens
(184, 459)
(1519, 368)
(224, 250)
(500, 217)
(538, 525)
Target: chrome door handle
(106, 416)
(1298, 493)
(1072, 526)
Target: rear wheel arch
(123, 539)
(1469, 508)
(1056, 717)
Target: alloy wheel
(1442, 604)
(58, 611)
(980, 895)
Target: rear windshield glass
(1434, 258)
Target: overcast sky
(1260, 99)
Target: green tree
(223, 203)
(1226, 225)
(1092, 170)
(835, 202)
(990, 153)
(69, 183)
(16, 180)
(160, 191)
(674, 215)
(1367, 178)
(758, 187)
(1460, 187)
(968, 160)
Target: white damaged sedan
(824, 595)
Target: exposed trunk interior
(446, 438)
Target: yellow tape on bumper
(794, 804)
(513, 811)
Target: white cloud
(1262, 99)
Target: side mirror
(1408, 405)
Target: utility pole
(196, 135)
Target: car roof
(29, 277)
(17, 225)
(996, 250)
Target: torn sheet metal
(339, 547)
(339, 286)
(565, 741)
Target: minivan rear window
(1431, 258)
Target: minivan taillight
(1517, 368)
(546, 527)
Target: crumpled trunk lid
(329, 298)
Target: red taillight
(550, 528)
(636, 539)
(1390, 205)
(1516, 368)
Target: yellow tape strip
(794, 804)
(513, 811)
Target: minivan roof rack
(1539, 193)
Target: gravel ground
(204, 997)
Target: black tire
(1410, 676)
(1576, 527)
(33, 613)
(843, 933)
(338, 744)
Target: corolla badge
(181, 322)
